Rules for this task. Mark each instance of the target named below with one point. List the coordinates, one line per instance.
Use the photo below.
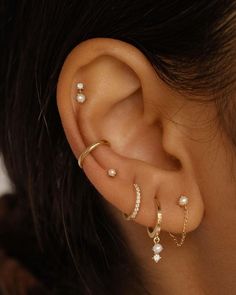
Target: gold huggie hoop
(155, 234)
(89, 149)
(157, 229)
(183, 202)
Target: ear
(127, 104)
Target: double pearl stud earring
(80, 97)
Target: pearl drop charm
(183, 201)
(80, 97)
(157, 248)
(112, 172)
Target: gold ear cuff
(89, 149)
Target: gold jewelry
(89, 149)
(182, 202)
(155, 234)
(137, 204)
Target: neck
(203, 265)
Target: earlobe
(106, 92)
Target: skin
(170, 146)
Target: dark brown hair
(191, 44)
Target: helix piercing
(155, 234)
(137, 204)
(182, 202)
(89, 149)
(80, 97)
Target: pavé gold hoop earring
(137, 204)
(89, 149)
(155, 234)
(182, 202)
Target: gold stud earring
(155, 234)
(183, 203)
(80, 97)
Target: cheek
(209, 152)
(212, 161)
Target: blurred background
(5, 186)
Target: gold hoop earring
(155, 234)
(89, 149)
(182, 202)
(137, 204)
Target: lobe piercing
(111, 172)
(80, 97)
(182, 202)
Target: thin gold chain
(180, 242)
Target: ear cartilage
(111, 172)
(137, 204)
(80, 97)
(182, 202)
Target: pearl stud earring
(182, 202)
(111, 172)
(80, 97)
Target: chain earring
(155, 234)
(182, 202)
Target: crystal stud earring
(80, 97)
